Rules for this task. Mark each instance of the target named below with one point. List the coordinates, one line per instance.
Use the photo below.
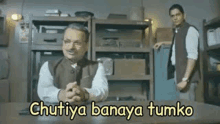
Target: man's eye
(77, 43)
(66, 41)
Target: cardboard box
(164, 34)
(129, 67)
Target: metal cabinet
(164, 89)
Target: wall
(196, 10)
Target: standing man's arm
(192, 40)
(159, 44)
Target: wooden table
(203, 113)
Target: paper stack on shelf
(53, 12)
(64, 15)
(213, 36)
(217, 32)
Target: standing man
(73, 78)
(183, 62)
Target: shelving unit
(101, 26)
(3, 31)
(209, 51)
(38, 49)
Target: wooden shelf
(214, 48)
(113, 77)
(125, 25)
(61, 21)
(46, 48)
(140, 77)
(53, 18)
(121, 24)
(209, 51)
(213, 100)
(213, 23)
(212, 74)
(115, 49)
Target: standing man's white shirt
(49, 93)
(192, 40)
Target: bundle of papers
(52, 12)
(213, 36)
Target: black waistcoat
(63, 73)
(181, 56)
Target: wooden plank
(152, 92)
(46, 48)
(214, 48)
(121, 22)
(115, 49)
(114, 77)
(29, 69)
(212, 74)
(205, 62)
(93, 40)
(90, 40)
(212, 22)
(213, 100)
(65, 19)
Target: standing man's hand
(181, 85)
(158, 45)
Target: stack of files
(53, 12)
(213, 36)
(64, 15)
(217, 32)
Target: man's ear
(185, 16)
(87, 46)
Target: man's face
(177, 17)
(74, 44)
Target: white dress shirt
(47, 92)
(192, 40)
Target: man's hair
(79, 27)
(176, 6)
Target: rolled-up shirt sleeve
(46, 90)
(99, 90)
(192, 40)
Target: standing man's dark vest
(63, 73)
(181, 57)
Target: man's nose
(72, 46)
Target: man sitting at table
(73, 78)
